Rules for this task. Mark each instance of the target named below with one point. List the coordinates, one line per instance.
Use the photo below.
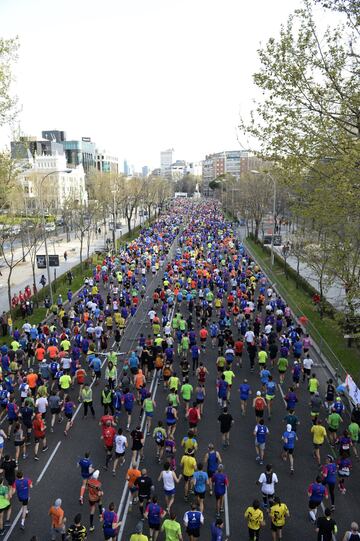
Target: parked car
(50, 226)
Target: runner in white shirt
(249, 336)
(169, 478)
(307, 366)
(268, 480)
(3, 437)
(121, 444)
(41, 404)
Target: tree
(8, 55)
(131, 198)
(10, 189)
(308, 123)
(317, 257)
(9, 242)
(256, 198)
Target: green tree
(8, 55)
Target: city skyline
(143, 85)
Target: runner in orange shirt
(132, 474)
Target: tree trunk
(9, 290)
(81, 246)
(256, 234)
(297, 272)
(128, 219)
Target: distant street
(57, 244)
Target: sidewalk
(22, 274)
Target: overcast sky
(140, 76)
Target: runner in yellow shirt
(255, 519)
(319, 434)
(278, 514)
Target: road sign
(54, 261)
(41, 261)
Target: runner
(255, 520)
(121, 445)
(110, 522)
(220, 483)
(58, 520)
(193, 521)
(169, 478)
(22, 486)
(289, 438)
(260, 432)
(278, 514)
(154, 513)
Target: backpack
(259, 404)
(159, 436)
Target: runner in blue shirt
(128, 401)
(216, 530)
(270, 387)
(86, 469)
(22, 486)
(154, 513)
(95, 364)
(193, 520)
(220, 482)
(200, 480)
(260, 433)
(289, 438)
(245, 392)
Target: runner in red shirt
(108, 435)
(193, 415)
(39, 429)
(238, 347)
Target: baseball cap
(289, 428)
(96, 474)
(258, 393)
(58, 502)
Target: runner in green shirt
(172, 528)
(333, 420)
(149, 405)
(4, 504)
(313, 384)
(262, 358)
(186, 393)
(229, 376)
(282, 365)
(354, 431)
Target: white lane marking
(227, 518)
(125, 494)
(48, 463)
(16, 520)
(43, 471)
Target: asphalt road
(56, 474)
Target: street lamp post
(44, 229)
(114, 223)
(274, 213)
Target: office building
(56, 190)
(194, 168)
(126, 168)
(54, 135)
(166, 161)
(28, 146)
(145, 171)
(80, 152)
(231, 162)
(178, 170)
(105, 163)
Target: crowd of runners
(204, 297)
